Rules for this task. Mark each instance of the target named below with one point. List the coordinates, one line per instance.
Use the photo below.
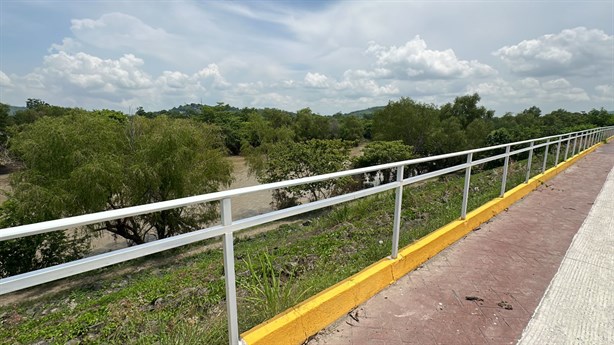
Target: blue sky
(327, 55)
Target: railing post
(526, 180)
(575, 141)
(229, 273)
(579, 146)
(558, 151)
(567, 146)
(398, 202)
(593, 138)
(590, 140)
(505, 165)
(545, 156)
(466, 188)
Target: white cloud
(213, 71)
(365, 87)
(75, 79)
(577, 51)
(174, 80)
(125, 33)
(316, 80)
(605, 93)
(5, 81)
(528, 91)
(91, 72)
(414, 60)
(68, 45)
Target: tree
(351, 128)
(83, 163)
(477, 132)
(413, 123)
(292, 160)
(382, 152)
(465, 108)
(5, 120)
(34, 103)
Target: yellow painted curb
(298, 323)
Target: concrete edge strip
(298, 323)
(531, 330)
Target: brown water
(243, 206)
(251, 204)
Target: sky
(330, 56)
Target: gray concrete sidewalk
(578, 307)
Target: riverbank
(182, 297)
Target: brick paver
(505, 266)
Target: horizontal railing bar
(433, 174)
(489, 159)
(45, 275)
(49, 274)
(312, 206)
(93, 218)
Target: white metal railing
(582, 140)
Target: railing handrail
(581, 139)
(97, 217)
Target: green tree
(351, 128)
(477, 132)
(382, 152)
(413, 123)
(5, 120)
(466, 110)
(292, 160)
(84, 162)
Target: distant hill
(190, 110)
(13, 109)
(365, 112)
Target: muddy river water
(243, 206)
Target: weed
(266, 291)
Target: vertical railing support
(558, 151)
(506, 163)
(545, 156)
(229, 273)
(575, 141)
(592, 141)
(567, 146)
(526, 180)
(466, 188)
(398, 202)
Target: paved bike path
(484, 288)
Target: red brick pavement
(508, 261)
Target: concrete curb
(298, 323)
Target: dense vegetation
(72, 161)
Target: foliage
(180, 298)
(5, 121)
(267, 292)
(413, 123)
(466, 109)
(293, 160)
(33, 252)
(381, 152)
(87, 162)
